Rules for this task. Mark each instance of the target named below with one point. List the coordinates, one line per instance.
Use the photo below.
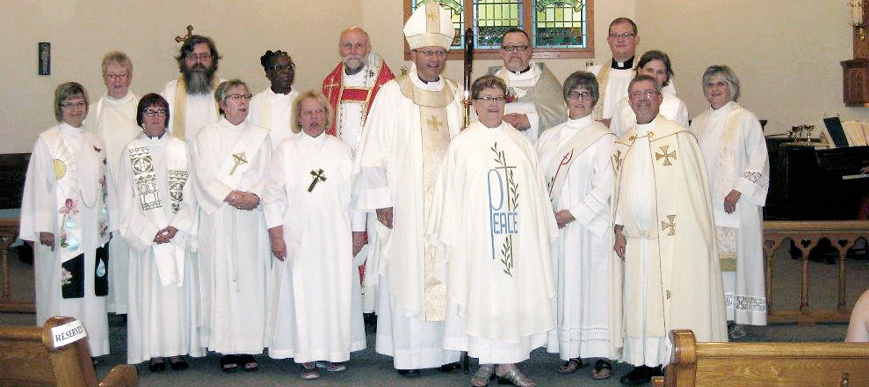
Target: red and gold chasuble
(336, 92)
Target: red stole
(333, 88)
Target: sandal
(178, 363)
(484, 374)
(156, 364)
(229, 363)
(249, 363)
(309, 371)
(603, 369)
(516, 378)
(570, 366)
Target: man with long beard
(191, 96)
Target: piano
(815, 184)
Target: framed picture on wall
(44, 53)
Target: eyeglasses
(490, 98)
(623, 35)
(516, 47)
(647, 94)
(433, 52)
(155, 112)
(239, 97)
(710, 85)
(200, 57)
(279, 68)
(73, 105)
(114, 77)
(583, 95)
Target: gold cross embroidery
(318, 177)
(432, 15)
(671, 225)
(666, 156)
(617, 160)
(239, 159)
(330, 86)
(434, 123)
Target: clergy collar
(427, 82)
(626, 65)
(156, 138)
(361, 70)
(579, 122)
(527, 69)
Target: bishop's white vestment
(114, 120)
(64, 194)
(274, 112)
(403, 143)
(492, 223)
(311, 316)
(234, 249)
(575, 158)
(154, 192)
(670, 278)
(732, 142)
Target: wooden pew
(28, 357)
(763, 364)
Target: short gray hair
(297, 108)
(642, 78)
(222, 91)
(729, 77)
(582, 79)
(119, 58)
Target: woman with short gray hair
(737, 164)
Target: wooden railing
(806, 234)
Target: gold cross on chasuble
(434, 123)
(239, 159)
(666, 156)
(318, 177)
(671, 225)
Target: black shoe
(229, 363)
(449, 367)
(408, 373)
(638, 376)
(178, 363)
(157, 364)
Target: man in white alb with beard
(191, 97)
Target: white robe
(310, 313)
(740, 235)
(114, 120)
(672, 108)
(273, 112)
(617, 87)
(81, 167)
(234, 249)
(201, 110)
(581, 252)
(492, 223)
(388, 172)
(537, 94)
(162, 318)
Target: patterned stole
(602, 78)
(435, 141)
(337, 93)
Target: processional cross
(318, 177)
(182, 39)
(239, 159)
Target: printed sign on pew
(68, 333)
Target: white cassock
(273, 112)
(154, 191)
(199, 110)
(396, 166)
(492, 223)
(234, 249)
(670, 276)
(350, 129)
(732, 142)
(310, 312)
(114, 120)
(575, 157)
(64, 194)
(672, 108)
(616, 84)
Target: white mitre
(429, 26)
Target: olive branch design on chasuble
(503, 205)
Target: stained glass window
(558, 28)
